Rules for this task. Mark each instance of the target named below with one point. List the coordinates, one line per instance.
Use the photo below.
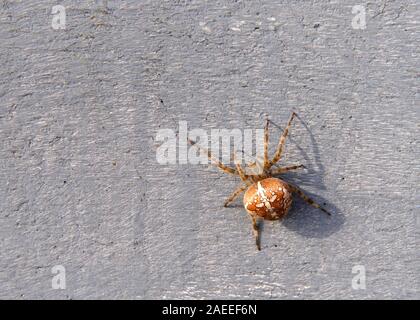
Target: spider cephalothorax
(265, 196)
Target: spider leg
(240, 170)
(266, 160)
(285, 169)
(235, 194)
(306, 198)
(246, 179)
(282, 141)
(256, 231)
(223, 167)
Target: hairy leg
(285, 169)
(306, 198)
(235, 194)
(266, 160)
(282, 141)
(223, 167)
(240, 171)
(256, 231)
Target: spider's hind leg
(306, 198)
(235, 194)
(286, 169)
(256, 231)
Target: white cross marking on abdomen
(262, 194)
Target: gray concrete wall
(80, 185)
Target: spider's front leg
(240, 189)
(282, 141)
(215, 161)
(266, 160)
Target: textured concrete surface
(81, 187)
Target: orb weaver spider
(266, 196)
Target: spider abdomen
(269, 198)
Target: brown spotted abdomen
(269, 198)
